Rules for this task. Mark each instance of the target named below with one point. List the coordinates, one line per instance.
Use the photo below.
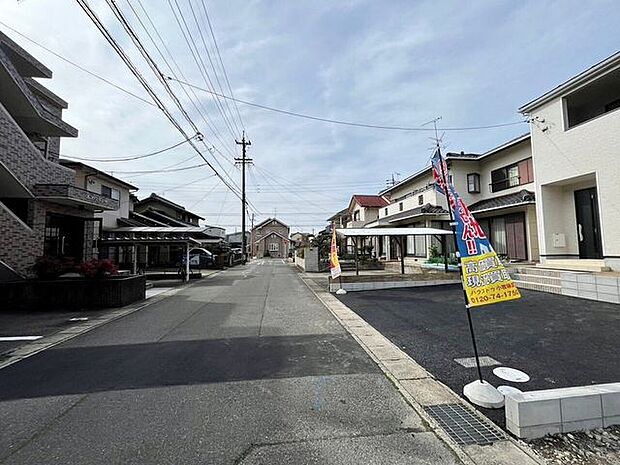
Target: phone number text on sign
(486, 281)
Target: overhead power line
(341, 122)
(196, 103)
(118, 49)
(128, 158)
(159, 171)
(80, 67)
(217, 48)
(189, 40)
(217, 79)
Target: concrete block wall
(591, 286)
(537, 413)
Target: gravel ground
(596, 447)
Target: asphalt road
(558, 341)
(246, 367)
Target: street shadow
(80, 370)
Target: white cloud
(395, 62)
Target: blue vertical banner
(485, 278)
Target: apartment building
(575, 131)
(42, 211)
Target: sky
(393, 63)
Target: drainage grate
(470, 362)
(463, 426)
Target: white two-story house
(498, 186)
(94, 180)
(575, 131)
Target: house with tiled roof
(364, 209)
(498, 186)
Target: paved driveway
(559, 341)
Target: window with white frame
(473, 183)
(273, 247)
(416, 246)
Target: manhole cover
(463, 426)
(511, 374)
(470, 362)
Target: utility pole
(243, 161)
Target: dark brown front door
(515, 236)
(588, 227)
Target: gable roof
(369, 201)
(602, 67)
(272, 232)
(157, 198)
(262, 223)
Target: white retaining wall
(537, 413)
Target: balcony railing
(71, 195)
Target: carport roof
(393, 232)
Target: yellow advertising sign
(486, 281)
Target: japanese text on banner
(485, 279)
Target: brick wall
(17, 242)
(263, 234)
(24, 160)
(20, 245)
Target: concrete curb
(420, 388)
(28, 350)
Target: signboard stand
(478, 392)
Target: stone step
(587, 267)
(538, 279)
(553, 289)
(530, 270)
(573, 261)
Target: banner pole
(460, 265)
